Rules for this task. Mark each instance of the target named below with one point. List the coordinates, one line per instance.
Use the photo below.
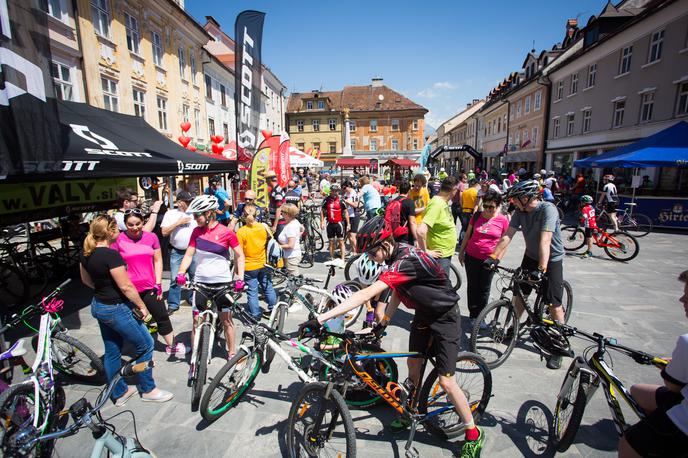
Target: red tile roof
(357, 98)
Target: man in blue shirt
(216, 189)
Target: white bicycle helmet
(367, 269)
(341, 293)
(202, 204)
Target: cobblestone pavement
(634, 302)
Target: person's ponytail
(102, 227)
(89, 245)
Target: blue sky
(440, 54)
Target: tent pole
(635, 171)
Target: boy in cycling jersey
(334, 210)
(588, 222)
(664, 431)
(417, 280)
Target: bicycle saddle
(334, 263)
(631, 204)
(15, 351)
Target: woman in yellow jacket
(253, 237)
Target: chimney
(475, 101)
(571, 26)
(469, 104)
(377, 81)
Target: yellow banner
(259, 166)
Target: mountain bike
(620, 246)
(308, 424)
(496, 329)
(14, 287)
(637, 224)
(105, 437)
(70, 356)
(205, 328)
(584, 376)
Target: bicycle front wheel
(566, 302)
(318, 240)
(320, 425)
(623, 246)
(573, 237)
(75, 359)
(349, 269)
(494, 333)
(230, 384)
(475, 381)
(569, 409)
(201, 369)
(17, 410)
(637, 224)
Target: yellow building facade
(316, 122)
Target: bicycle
(428, 405)
(105, 437)
(584, 376)
(14, 287)
(620, 246)
(637, 223)
(496, 329)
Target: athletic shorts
(335, 230)
(588, 232)
(553, 286)
(611, 207)
(442, 335)
(657, 435)
(355, 221)
(200, 302)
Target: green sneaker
(399, 425)
(471, 449)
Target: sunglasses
(489, 206)
(248, 199)
(272, 178)
(198, 214)
(133, 211)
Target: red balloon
(219, 138)
(184, 140)
(266, 134)
(185, 126)
(192, 148)
(217, 149)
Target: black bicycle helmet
(526, 188)
(551, 340)
(371, 234)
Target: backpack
(273, 251)
(393, 214)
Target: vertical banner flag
(248, 33)
(259, 165)
(283, 161)
(424, 156)
(29, 123)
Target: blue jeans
(117, 325)
(445, 264)
(253, 278)
(175, 292)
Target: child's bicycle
(620, 246)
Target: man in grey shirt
(539, 222)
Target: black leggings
(479, 283)
(158, 310)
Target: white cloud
(444, 85)
(433, 92)
(427, 93)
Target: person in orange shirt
(420, 196)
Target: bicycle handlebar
(33, 309)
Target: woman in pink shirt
(141, 251)
(484, 231)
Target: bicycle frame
(124, 447)
(206, 318)
(600, 235)
(515, 287)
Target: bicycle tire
(17, 410)
(638, 224)
(496, 331)
(349, 271)
(14, 288)
(573, 238)
(628, 247)
(567, 303)
(231, 391)
(277, 322)
(318, 240)
(67, 359)
(473, 371)
(308, 253)
(312, 445)
(455, 277)
(201, 368)
(562, 440)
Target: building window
(156, 42)
(316, 125)
(162, 113)
(647, 102)
(560, 90)
(301, 146)
(101, 17)
(587, 118)
(62, 80)
(570, 122)
(299, 125)
(682, 105)
(534, 137)
(223, 96)
(211, 127)
(538, 100)
(518, 109)
(208, 87)
(56, 10)
(395, 144)
(625, 61)
(192, 61)
(555, 129)
(395, 125)
(225, 131)
(592, 74)
(309, 105)
(527, 104)
(133, 38)
(333, 147)
(140, 103)
(518, 139)
(197, 122)
(619, 108)
(110, 97)
(182, 63)
(373, 125)
(321, 105)
(373, 145)
(352, 125)
(415, 124)
(656, 40)
(333, 124)
(574, 84)
(415, 144)
(316, 146)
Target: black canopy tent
(434, 155)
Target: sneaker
(171, 310)
(471, 449)
(152, 328)
(587, 254)
(177, 350)
(266, 314)
(160, 396)
(126, 396)
(554, 362)
(400, 424)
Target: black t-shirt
(408, 208)
(420, 282)
(276, 197)
(98, 266)
(292, 197)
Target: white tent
(298, 158)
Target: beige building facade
(65, 67)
